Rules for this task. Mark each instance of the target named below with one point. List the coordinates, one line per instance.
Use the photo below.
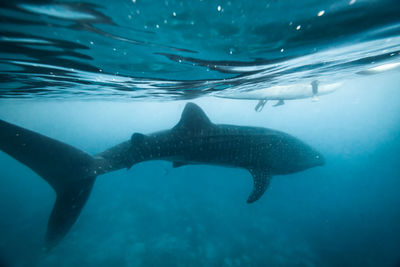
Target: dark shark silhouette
(194, 140)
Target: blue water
(92, 73)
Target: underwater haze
(92, 73)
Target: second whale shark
(194, 140)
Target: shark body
(194, 140)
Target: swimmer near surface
(292, 92)
(193, 140)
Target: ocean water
(92, 73)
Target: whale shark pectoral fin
(68, 206)
(261, 179)
(177, 164)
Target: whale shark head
(306, 157)
(290, 155)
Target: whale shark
(193, 140)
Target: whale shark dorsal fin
(261, 179)
(193, 118)
(137, 138)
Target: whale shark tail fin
(68, 170)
